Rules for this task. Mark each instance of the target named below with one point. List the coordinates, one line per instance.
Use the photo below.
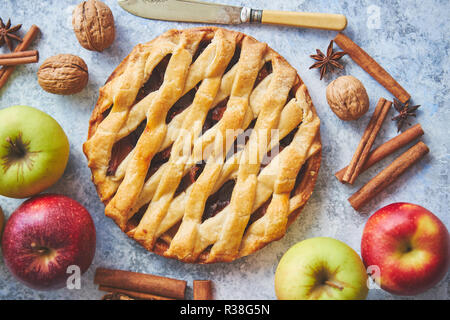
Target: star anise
(327, 62)
(7, 33)
(405, 111)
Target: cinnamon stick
(388, 175)
(140, 282)
(133, 294)
(388, 148)
(19, 54)
(21, 57)
(367, 140)
(371, 67)
(202, 290)
(6, 72)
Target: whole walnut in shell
(63, 74)
(93, 23)
(347, 98)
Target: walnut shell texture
(93, 24)
(347, 98)
(63, 74)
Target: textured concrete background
(409, 38)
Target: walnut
(63, 74)
(347, 98)
(93, 24)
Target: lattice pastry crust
(201, 90)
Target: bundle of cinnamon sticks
(364, 158)
(21, 57)
(366, 143)
(18, 56)
(126, 285)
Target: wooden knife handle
(325, 21)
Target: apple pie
(204, 145)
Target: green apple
(321, 269)
(33, 151)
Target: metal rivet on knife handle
(256, 16)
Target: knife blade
(183, 10)
(207, 12)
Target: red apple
(409, 245)
(46, 235)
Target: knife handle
(327, 21)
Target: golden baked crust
(248, 86)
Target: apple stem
(15, 147)
(334, 285)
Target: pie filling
(264, 72)
(123, 147)
(155, 80)
(220, 199)
(201, 47)
(214, 115)
(182, 103)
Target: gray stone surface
(410, 40)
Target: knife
(207, 12)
